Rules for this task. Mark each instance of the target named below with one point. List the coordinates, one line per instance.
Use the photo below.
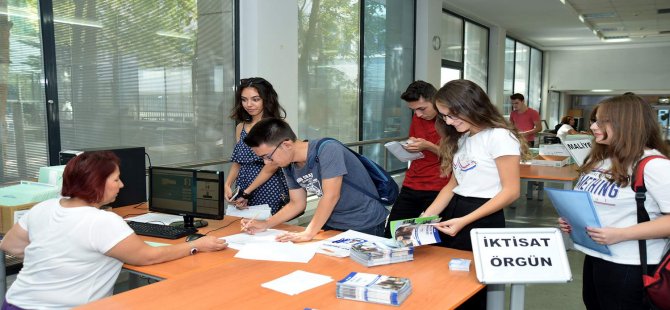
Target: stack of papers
(276, 252)
(374, 288)
(156, 218)
(340, 245)
(259, 212)
(459, 264)
(377, 253)
(297, 282)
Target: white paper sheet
(297, 282)
(263, 212)
(401, 153)
(157, 218)
(276, 251)
(237, 241)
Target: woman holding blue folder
(625, 131)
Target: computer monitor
(187, 192)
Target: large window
(465, 51)
(23, 146)
(351, 73)
(328, 69)
(523, 74)
(388, 67)
(144, 73)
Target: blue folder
(577, 208)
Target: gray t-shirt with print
(354, 210)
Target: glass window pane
(522, 64)
(328, 64)
(23, 146)
(387, 70)
(448, 74)
(508, 83)
(535, 90)
(476, 54)
(452, 47)
(143, 73)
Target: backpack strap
(637, 184)
(315, 159)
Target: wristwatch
(193, 248)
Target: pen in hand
(245, 226)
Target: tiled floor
(523, 213)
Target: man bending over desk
(341, 207)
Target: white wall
(269, 48)
(428, 60)
(624, 69)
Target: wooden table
(218, 280)
(237, 284)
(565, 175)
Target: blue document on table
(577, 208)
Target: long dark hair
(634, 128)
(468, 101)
(271, 106)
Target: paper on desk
(155, 244)
(297, 282)
(276, 251)
(153, 217)
(263, 212)
(340, 244)
(237, 241)
(401, 153)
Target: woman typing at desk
(73, 251)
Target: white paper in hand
(263, 212)
(401, 153)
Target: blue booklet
(577, 208)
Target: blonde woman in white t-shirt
(625, 130)
(483, 152)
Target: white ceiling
(550, 24)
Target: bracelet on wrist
(245, 195)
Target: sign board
(579, 148)
(520, 255)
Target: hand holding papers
(398, 150)
(415, 231)
(576, 207)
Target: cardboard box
(550, 160)
(11, 214)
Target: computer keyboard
(160, 231)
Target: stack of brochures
(340, 245)
(379, 253)
(374, 288)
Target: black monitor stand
(189, 221)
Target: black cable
(139, 204)
(148, 158)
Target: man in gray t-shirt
(340, 206)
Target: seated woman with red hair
(73, 251)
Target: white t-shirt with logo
(474, 163)
(616, 207)
(65, 263)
